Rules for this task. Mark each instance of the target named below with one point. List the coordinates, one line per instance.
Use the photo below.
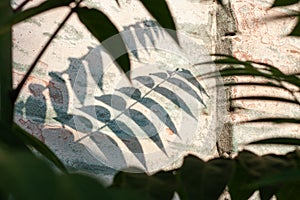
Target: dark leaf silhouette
(30, 140)
(113, 101)
(210, 181)
(95, 64)
(279, 140)
(96, 22)
(172, 96)
(181, 84)
(276, 120)
(45, 6)
(161, 185)
(296, 30)
(147, 126)
(284, 2)
(160, 11)
(149, 103)
(190, 78)
(78, 78)
(242, 177)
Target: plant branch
(16, 91)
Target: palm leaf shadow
(181, 84)
(120, 129)
(163, 115)
(173, 97)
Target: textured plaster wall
(261, 37)
(49, 100)
(243, 29)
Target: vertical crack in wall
(225, 30)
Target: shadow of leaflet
(120, 129)
(139, 118)
(149, 103)
(181, 84)
(173, 97)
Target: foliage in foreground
(26, 176)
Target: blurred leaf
(24, 176)
(39, 146)
(104, 30)
(274, 164)
(290, 190)
(281, 177)
(296, 30)
(45, 6)
(238, 185)
(206, 180)
(160, 11)
(23, 15)
(284, 2)
(279, 140)
(158, 186)
(191, 173)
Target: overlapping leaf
(107, 34)
(160, 11)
